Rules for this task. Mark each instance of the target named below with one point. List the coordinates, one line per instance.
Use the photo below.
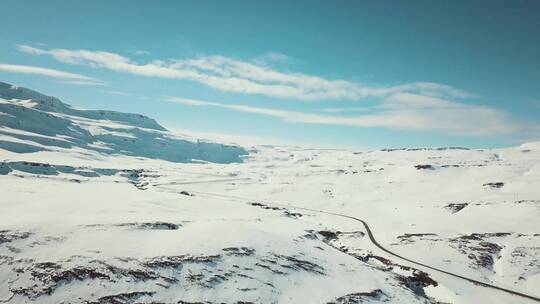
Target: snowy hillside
(105, 207)
(32, 122)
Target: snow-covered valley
(107, 207)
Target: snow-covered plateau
(108, 207)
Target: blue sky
(328, 73)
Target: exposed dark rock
(239, 251)
(143, 226)
(137, 274)
(213, 280)
(268, 267)
(534, 202)
(275, 261)
(153, 225)
(136, 177)
(329, 235)
(360, 297)
(286, 212)
(417, 282)
(447, 166)
(365, 258)
(329, 192)
(477, 249)
(178, 261)
(292, 214)
(494, 185)
(263, 206)
(409, 237)
(481, 236)
(122, 298)
(51, 275)
(186, 193)
(456, 207)
(7, 236)
(257, 204)
(297, 264)
(424, 167)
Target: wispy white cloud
(270, 58)
(347, 109)
(140, 52)
(118, 93)
(433, 115)
(411, 106)
(86, 83)
(70, 78)
(245, 77)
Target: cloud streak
(117, 93)
(71, 78)
(397, 112)
(244, 77)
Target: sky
(351, 74)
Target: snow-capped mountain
(106, 207)
(44, 123)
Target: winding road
(375, 242)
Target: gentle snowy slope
(87, 218)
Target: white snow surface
(85, 218)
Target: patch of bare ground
(121, 298)
(8, 236)
(478, 249)
(144, 225)
(286, 212)
(424, 167)
(456, 207)
(494, 185)
(410, 237)
(360, 297)
(179, 260)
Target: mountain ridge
(114, 132)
